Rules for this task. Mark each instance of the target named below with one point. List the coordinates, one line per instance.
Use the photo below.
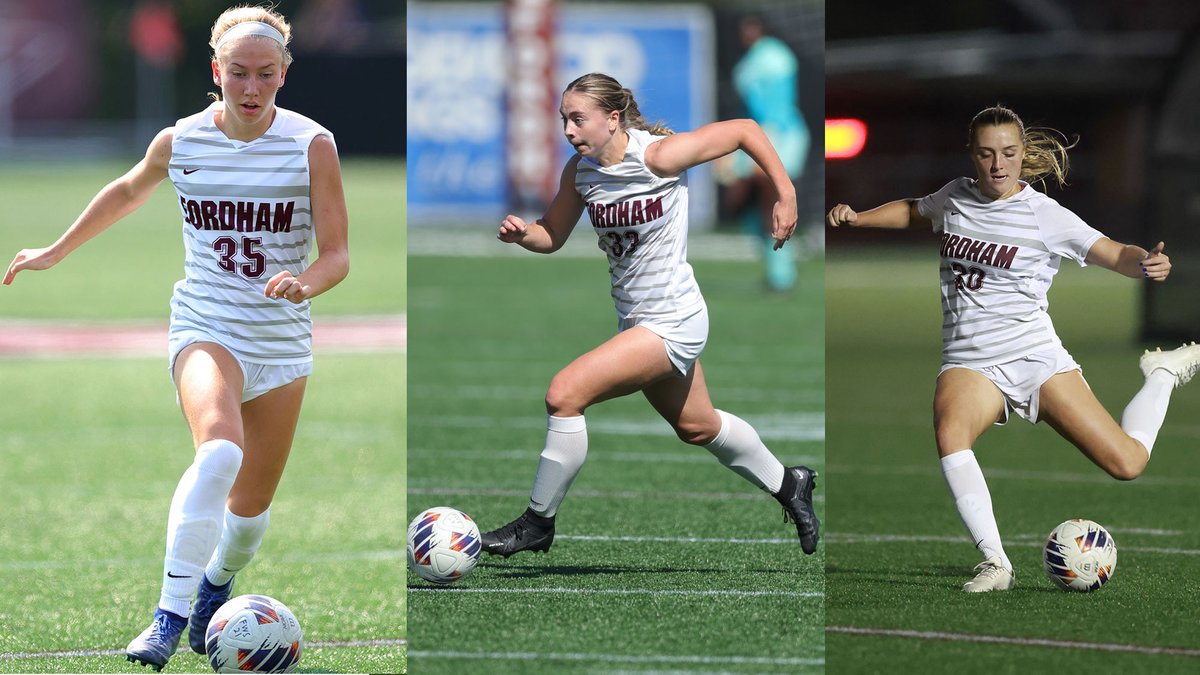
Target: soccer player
(631, 179)
(1002, 243)
(256, 186)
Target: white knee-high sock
(194, 522)
(738, 447)
(566, 448)
(1144, 415)
(239, 543)
(974, 502)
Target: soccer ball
(443, 545)
(255, 634)
(1080, 555)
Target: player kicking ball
(631, 179)
(1002, 243)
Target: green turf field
(663, 560)
(127, 271)
(897, 551)
(91, 449)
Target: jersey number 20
(970, 279)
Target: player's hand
(287, 287)
(1156, 265)
(30, 259)
(783, 222)
(841, 215)
(512, 230)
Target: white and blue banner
(456, 87)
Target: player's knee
(1127, 466)
(951, 438)
(698, 432)
(562, 399)
(219, 457)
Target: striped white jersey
(999, 258)
(246, 217)
(642, 223)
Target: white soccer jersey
(246, 217)
(999, 258)
(641, 221)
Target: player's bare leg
(965, 404)
(628, 362)
(209, 381)
(269, 422)
(1069, 406)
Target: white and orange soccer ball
(443, 545)
(254, 634)
(1080, 555)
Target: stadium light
(844, 138)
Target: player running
(1002, 243)
(631, 179)
(256, 185)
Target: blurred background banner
(459, 71)
(1123, 77)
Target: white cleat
(1182, 362)
(991, 575)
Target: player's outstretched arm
(331, 224)
(1132, 261)
(678, 152)
(550, 232)
(115, 201)
(897, 215)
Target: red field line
(58, 339)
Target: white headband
(250, 28)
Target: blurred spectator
(766, 81)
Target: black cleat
(529, 532)
(796, 497)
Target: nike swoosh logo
(188, 172)
(179, 576)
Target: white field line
(23, 565)
(1015, 641)
(529, 455)
(800, 426)
(675, 540)
(1027, 539)
(354, 556)
(620, 591)
(1097, 476)
(83, 653)
(607, 658)
(625, 494)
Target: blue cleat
(155, 646)
(208, 600)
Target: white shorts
(684, 339)
(1020, 381)
(258, 378)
